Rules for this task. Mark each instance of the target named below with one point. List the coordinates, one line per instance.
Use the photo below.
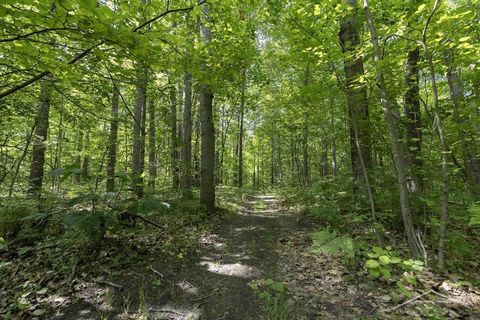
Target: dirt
(212, 285)
(260, 241)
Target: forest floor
(256, 263)
(215, 284)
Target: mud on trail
(212, 285)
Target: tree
(398, 150)
(137, 136)
(41, 130)
(207, 171)
(356, 95)
(112, 142)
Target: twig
(411, 300)
(156, 272)
(111, 284)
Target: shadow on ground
(212, 285)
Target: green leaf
(384, 260)
(395, 260)
(386, 273)
(372, 264)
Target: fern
(475, 215)
(325, 241)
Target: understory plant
(382, 263)
(273, 294)
(326, 241)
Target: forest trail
(214, 284)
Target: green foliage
(12, 213)
(274, 297)
(474, 211)
(91, 224)
(325, 241)
(382, 263)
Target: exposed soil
(211, 285)
(260, 241)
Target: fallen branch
(111, 284)
(411, 300)
(156, 272)
(131, 217)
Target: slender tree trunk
(398, 150)
(444, 150)
(207, 171)
(187, 131)
(152, 146)
(356, 96)
(79, 151)
(41, 130)
(58, 154)
(196, 150)
(86, 157)
(470, 160)
(240, 133)
(306, 171)
(413, 119)
(140, 104)
(334, 145)
(29, 139)
(173, 137)
(112, 143)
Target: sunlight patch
(187, 287)
(231, 269)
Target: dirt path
(214, 285)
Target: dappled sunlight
(230, 269)
(187, 287)
(169, 312)
(250, 228)
(213, 240)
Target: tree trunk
(173, 137)
(137, 136)
(356, 94)
(41, 130)
(78, 156)
(207, 171)
(240, 133)
(413, 120)
(470, 160)
(444, 150)
(86, 157)
(58, 154)
(187, 131)
(112, 143)
(152, 146)
(398, 149)
(334, 145)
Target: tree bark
(444, 150)
(152, 146)
(173, 137)
(86, 157)
(187, 131)
(137, 136)
(356, 96)
(112, 143)
(41, 130)
(414, 120)
(398, 149)
(470, 160)
(207, 170)
(240, 133)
